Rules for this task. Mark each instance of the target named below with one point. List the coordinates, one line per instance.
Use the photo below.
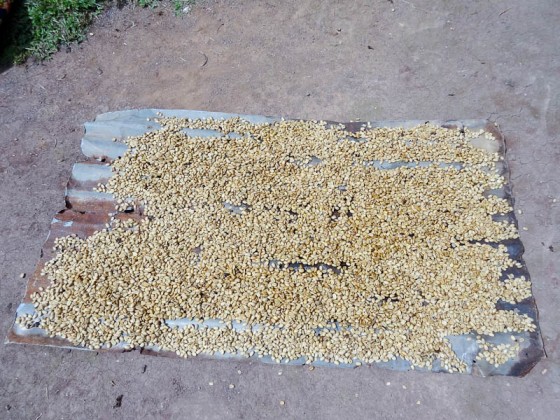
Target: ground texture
(308, 59)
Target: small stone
(22, 275)
(282, 402)
(231, 386)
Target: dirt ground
(341, 60)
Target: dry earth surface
(310, 59)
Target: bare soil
(309, 59)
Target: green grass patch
(38, 28)
(59, 22)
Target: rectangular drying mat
(87, 211)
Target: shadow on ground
(15, 36)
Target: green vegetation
(38, 28)
(179, 5)
(147, 3)
(59, 22)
